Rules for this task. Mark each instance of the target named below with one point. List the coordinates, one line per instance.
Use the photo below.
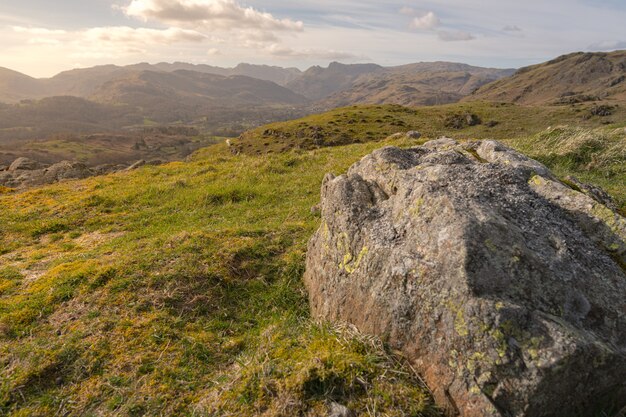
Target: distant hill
(84, 82)
(428, 83)
(317, 82)
(570, 78)
(15, 86)
(185, 95)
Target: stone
(502, 285)
(66, 170)
(24, 164)
(412, 134)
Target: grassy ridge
(176, 290)
(369, 123)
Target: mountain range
(227, 101)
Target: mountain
(427, 83)
(184, 95)
(15, 86)
(83, 82)
(317, 82)
(570, 78)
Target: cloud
(426, 22)
(287, 52)
(208, 14)
(455, 36)
(127, 35)
(107, 42)
(118, 35)
(213, 52)
(408, 11)
(607, 46)
(512, 28)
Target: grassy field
(175, 290)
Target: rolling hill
(415, 85)
(572, 78)
(15, 86)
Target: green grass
(360, 124)
(176, 290)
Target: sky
(44, 37)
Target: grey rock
(502, 285)
(25, 164)
(65, 170)
(413, 134)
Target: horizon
(302, 69)
(41, 40)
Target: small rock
(338, 410)
(398, 135)
(413, 134)
(25, 164)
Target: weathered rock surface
(505, 287)
(25, 164)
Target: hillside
(415, 85)
(317, 82)
(577, 77)
(176, 289)
(460, 121)
(15, 86)
(63, 114)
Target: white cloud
(512, 28)
(408, 11)
(106, 42)
(454, 36)
(425, 22)
(208, 14)
(124, 35)
(287, 52)
(213, 52)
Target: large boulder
(505, 287)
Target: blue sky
(42, 38)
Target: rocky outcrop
(503, 286)
(30, 177)
(24, 172)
